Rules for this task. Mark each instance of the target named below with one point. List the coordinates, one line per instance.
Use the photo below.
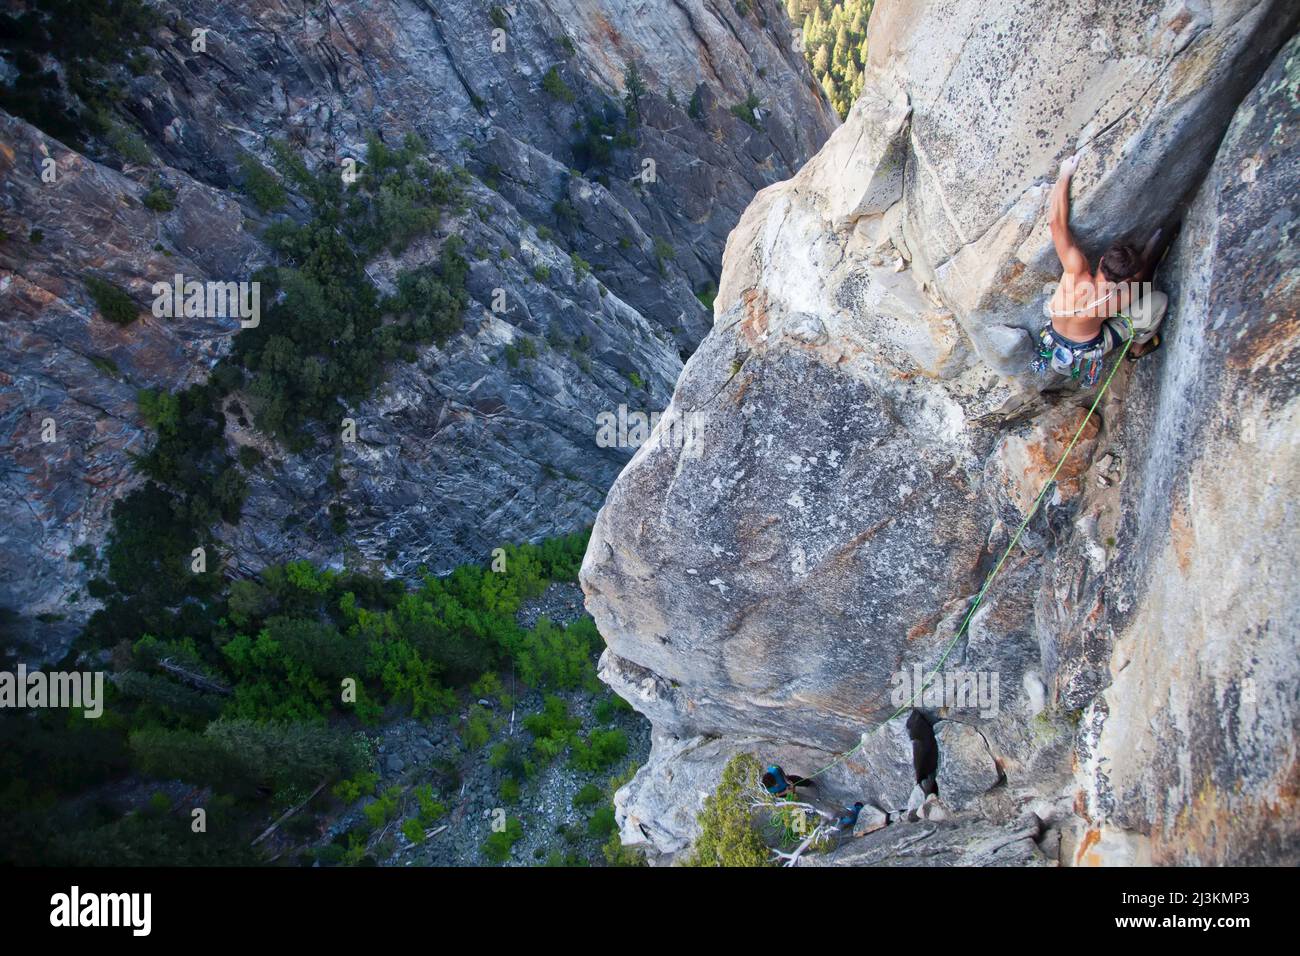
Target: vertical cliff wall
(869, 440)
(460, 451)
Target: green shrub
(383, 808)
(478, 728)
(88, 39)
(602, 750)
(522, 347)
(602, 823)
(552, 729)
(727, 836)
(409, 677)
(554, 84)
(588, 796)
(616, 854)
(696, 108)
(354, 788)
(413, 830)
(235, 755)
(126, 143)
(566, 213)
(508, 757)
(746, 111)
(664, 253)
(397, 197)
(581, 267)
(321, 296)
(250, 457)
(601, 131)
(159, 198)
(262, 186)
(559, 658)
(707, 294)
(431, 810)
(608, 708)
(496, 848)
(555, 859)
(113, 303)
(488, 686)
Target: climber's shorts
(1145, 312)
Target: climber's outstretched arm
(1073, 261)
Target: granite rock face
(871, 440)
(460, 451)
(1193, 742)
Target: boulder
(966, 766)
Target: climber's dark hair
(769, 780)
(1120, 262)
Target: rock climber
(849, 818)
(1090, 313)
(780, 784)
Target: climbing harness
(988, 581)
(1082, 361)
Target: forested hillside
(835, 43)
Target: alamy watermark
(632, 429)
(953, 690)
(128, 910)
(193, 299)
(72, 689)
(1137, 300)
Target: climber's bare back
(1081, 302)
(1084, 298)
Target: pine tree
(634, 88)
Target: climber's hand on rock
(1069, 166)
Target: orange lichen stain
(1230, 826)
(8, 153)
(1082, 856)
(1267, 345)
(1098, 606)
(754, 326)
(740, 391)
(1044, 455)
(921, 628)
(607, 30)
(1012, 272)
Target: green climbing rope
(988, 581)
